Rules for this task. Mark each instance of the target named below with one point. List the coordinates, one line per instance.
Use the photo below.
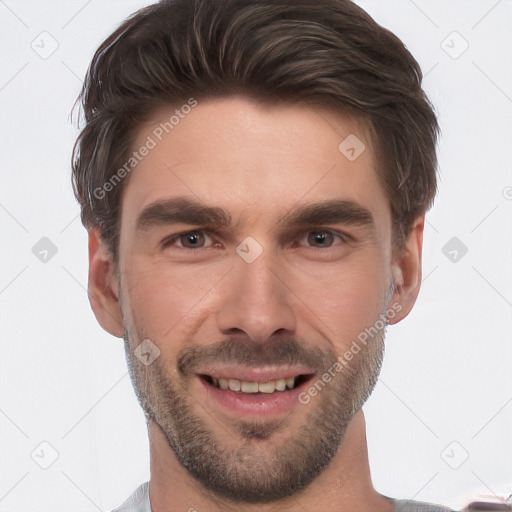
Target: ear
(406, 271)
(103, 287)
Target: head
(254, 177)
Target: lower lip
(255, 404)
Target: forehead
(255, 160)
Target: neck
(345, 485)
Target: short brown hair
(324, 52)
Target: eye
(322, 238)
(190, 240)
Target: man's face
(253, 253)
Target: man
(254, 176)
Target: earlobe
(102, 289)
(406, 271)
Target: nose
(256, 303)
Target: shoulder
(419, 506)
(137, 502)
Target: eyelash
(168, 242)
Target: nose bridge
(261, 283)
(256, 300)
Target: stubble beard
(267, 464)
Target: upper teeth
(254, 387)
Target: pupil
(193, 239)
(320, 238)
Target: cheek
(347, 299)
(162, 301)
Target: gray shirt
(139, 502)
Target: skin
(258, 162)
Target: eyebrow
(331, 211)
(182, 210)
(189, 211)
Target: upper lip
(255, 374)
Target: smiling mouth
(250, 387)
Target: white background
(447, 376)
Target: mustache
(279, 353)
